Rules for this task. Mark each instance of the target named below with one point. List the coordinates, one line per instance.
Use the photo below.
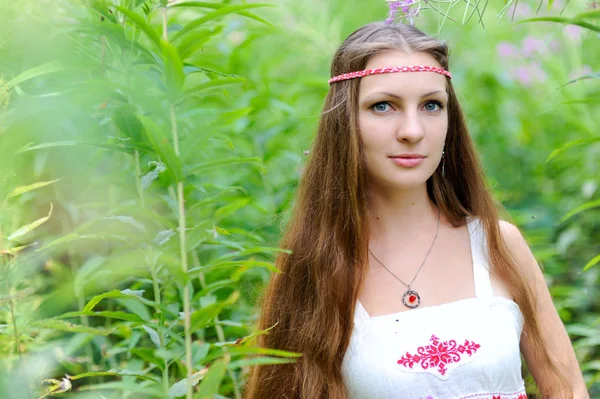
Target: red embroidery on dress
(515, 395)
(438, 354)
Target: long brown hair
(311, 302)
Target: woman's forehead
(406, 82)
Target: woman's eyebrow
(400, 97)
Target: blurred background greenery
(150, 151)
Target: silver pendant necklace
(411, 298)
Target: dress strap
(360, 314)
(479, 253)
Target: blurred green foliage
(149, 156)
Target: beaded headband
(367, 72)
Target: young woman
(402, 281)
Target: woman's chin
(404, 183)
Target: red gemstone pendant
(411, 299)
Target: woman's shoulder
(517, 246)
(510, 233)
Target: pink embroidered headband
(367, 72)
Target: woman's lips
(408, 162)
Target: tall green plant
(143, 83)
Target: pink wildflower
(506, 49)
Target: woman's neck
(398, 214)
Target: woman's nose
(410, 128)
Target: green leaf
(581, 330)
(202, 317)
(244, 264)
(24, 189)
(33, 73)
(141, 23)
(173, 71)
(125, 294)
(61, 325)
(108, 314)
(237, 350)
(113, 373)
(126, 120)
(215, 286)
(217, 6)
(593, 365)
(222, 231)
(595, 75)
(101, 8)
(111, 294)
(257, 334)
(21, 231)
(232, 116)
(216, 14)
(570, 144)
(194, 40)
(163, 147)
(180, 389)
(254, 250)
(148, 355)
(569, 21)
(594, 14)
(592, 262)
(231, 208)
(75, 237)
(125, 146)
(258, 361)
(202, 87)
(581, 208)
(201, 167)
(201, 4)
(262, 351)
(153, 335)
(212, 381)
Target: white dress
(468, 349)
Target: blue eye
(380, 106)
(431, 106)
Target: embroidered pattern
(439, 354)
(489, 395)
(515, 395)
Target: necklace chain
(422, 264)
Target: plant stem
(219, 330)
(138, 179)
(13, 317)
(161, 338)
(184, 265)
(155, 282)
(182, 241)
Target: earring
(443, 164)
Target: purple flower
(529, 74)
(573, 32)
(393, 11)
(399, 7)
(533, 45)
(506, 49)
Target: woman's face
(403, 120)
